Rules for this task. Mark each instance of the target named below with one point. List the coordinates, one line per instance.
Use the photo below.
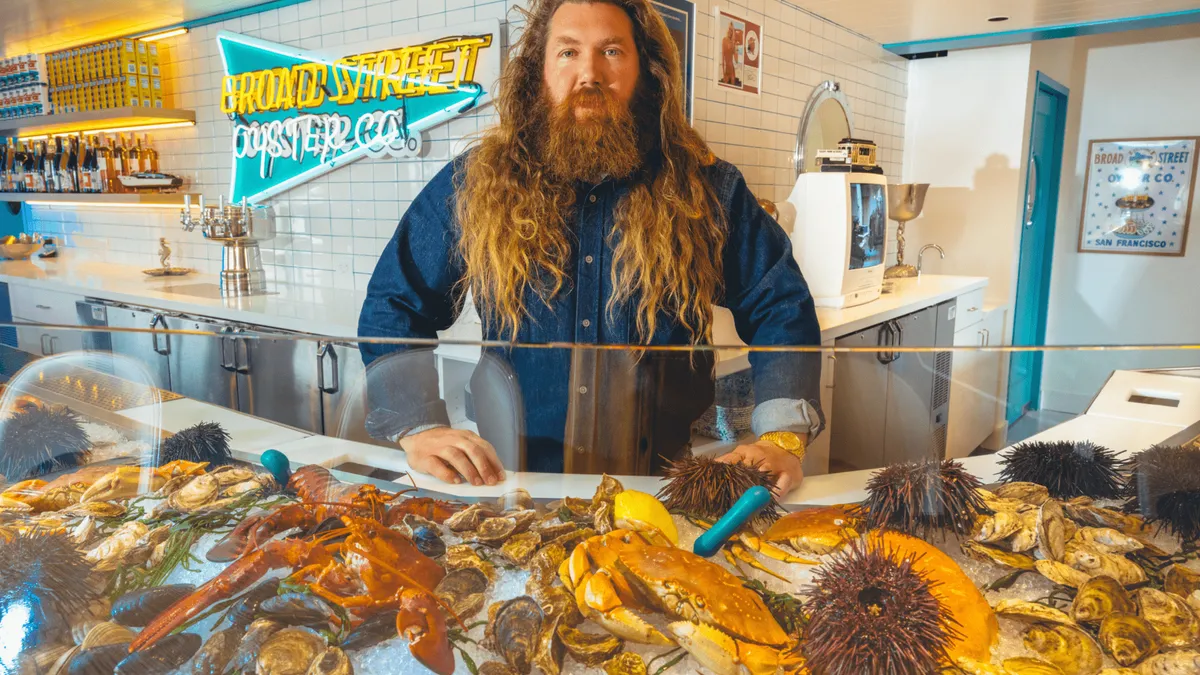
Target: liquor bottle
(50, 166)
(87, 160)
(119, 167)
(6, 162)
(18, 175)
(149, 154)
(133, 157)
(104, 165)
(68, 165)
(35, 180)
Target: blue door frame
(1046, 136)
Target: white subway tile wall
(332, 230)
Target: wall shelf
(113, 119)
(148, 199)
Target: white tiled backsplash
(332, 229)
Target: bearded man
(593, 214)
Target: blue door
(1037, 245)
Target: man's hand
(446, 453)
(787, 467)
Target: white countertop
(334, 312)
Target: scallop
(1035, 612)
(1128, 638)
(1098, 598)
(1171, 617)
(1073, 651)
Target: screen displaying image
(868, 225)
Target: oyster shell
(516, 500)
(1099, 597)
(494, 531)
(111, 550)
(591, 649)
(469, 518)
(524, 519)
(625, 664)
(1024, 665)
(998, 526)
(1172, 663)
(333, 661)
(1128, 638)
(1181, 580)
(95, 509)
(463, 555)
(1061, 573)
(553, 531)
(289, 652)
(216, 652)
(1087, 558)
(1082, 511)
(516, 628)
(1051, 534)
(199, 492)
(1035, 612)
(550, 652)
(495, 668)
(1030, 493)
(543, 565)
(520, 548)
(1171, 617)
(1070, 649)
(1108, 540)
(231, 475)
(970, 666)
(985, 553)
(1025, 538)
(556, 602)
(463, 590)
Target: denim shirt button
(587, 322)
(588, 259)
(583, 390)
(592, 198)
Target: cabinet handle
(899, 340)
(242, 362)
(42, 306)
(227, 364)
(884, 340)
(832, 364)
(323, 351)
(46, 351)
(987, 337)
(54, 344)
(982, 343)
(158, 319)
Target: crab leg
(598, 598)
(742, 554)
(755, 543)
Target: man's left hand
(786, 467)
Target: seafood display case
(142, 532)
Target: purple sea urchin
(705, 488)
(1164, 488)
(43, 572)
(871, 612)
(920, 498)
(1067, 468)
(204, 442)
(40, 440)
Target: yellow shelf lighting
(101, 129)
(164, 35)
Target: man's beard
(602, 144)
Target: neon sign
(299, 114)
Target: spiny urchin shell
(702, 487)
(45, 572)
(41, 440)
(920, 498)
(1067, 468)
(204, 442)
(1164, 488)
(871, 612)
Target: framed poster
(680, 17)
(739, 51)
(1138, 196)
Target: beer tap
(185, 216)
(240, 229)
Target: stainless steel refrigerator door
(277, 379)
(148, 349)
(202, 366)
(909, 427)
(860, 395)
(340, 377)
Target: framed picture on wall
(738, 52)
(1138, 197)
(680, 17)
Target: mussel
(375, 629)
(139, 608)
(289, 652)
(1128, 638)
(1099, 597)
(298, 609)
(428, 541)
(163, 657)
(246, 607)
(1070, 649)
(98, 660)
(216, 652)
(516, 628)
(1171, 617)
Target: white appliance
(840, 236)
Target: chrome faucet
(921, 254)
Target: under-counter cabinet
(976, 396)
(41, 308)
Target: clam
(1171, 617)
(516, 628)
(138, 608)
(1023, 665)
(1181, 580)
(216, 652)
(1030, 493)
(1128, 638)
(625, 664)
(463, 555)
(520, 548)
(289, 652)
(333, 661)
(258, 632)
(1069, 648)
(495, 531)
(43, 658)
(469, 518)
(998, 526)
(1061, 573)
(984, 552)
(1033, 612)
(106, 633)
(591, 649)
(1099, 597)
(164, 656)
(1172, 663)
(1051, 535)
(1109, 540)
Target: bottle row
(86, 163)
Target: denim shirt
(604, 406)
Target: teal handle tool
(748, 506)
(277, 463)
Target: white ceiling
(889, 21)
(46, 25)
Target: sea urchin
(204, 442)
(39, 440)
(1164, 487)
(919, 498)
(702, 487)
(43, 571)
(1067, 468)
(871, 612)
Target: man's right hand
(446, 453)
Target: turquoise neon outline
(481, 98)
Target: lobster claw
(235, 543)
(422, 622)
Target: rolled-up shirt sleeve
(771, 306)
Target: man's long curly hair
(515, 216)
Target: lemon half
(639, 507)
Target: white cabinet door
(974, 387)
(47, 341)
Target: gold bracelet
(788, 441)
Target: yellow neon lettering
(246, 94)
(468, 56)
(229, 95)
(285, 96)
(437, 65)
(310, 85)
(341, 79)
(264, 89)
